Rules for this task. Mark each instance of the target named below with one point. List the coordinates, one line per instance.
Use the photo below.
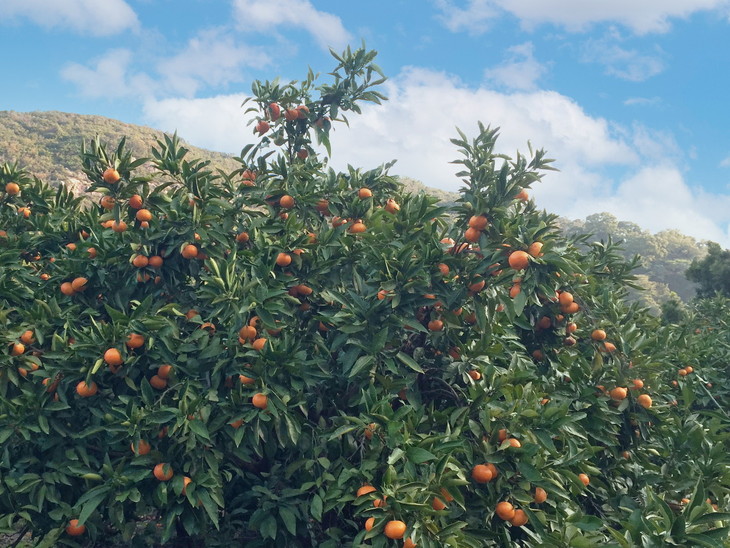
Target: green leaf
(316, 507)
(289, 519)
(410, 362)
(418, 456)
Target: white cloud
(264, 15)
(725, 162)
(628, 64)
(110, 77)
(215, 123)
(96, 17)
(213, 58)
(473, 18)
(642, 101)
(642, 17)
(520, 71)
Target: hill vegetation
(48, 144)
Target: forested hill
(47, 144)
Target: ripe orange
(514, 442)
(515, 290)
(571, 308)
(364, 193)
(609, 347)
(598, 335)
(27, 337)
(259, 344)
(409, 544)
(141, 447)
(158, 382)
(140, 261)
(186, 481)
(522, 195)
(689, 369)
(519, 519)
(535, 249)
(358, 228)
(286, 201)
(638, 384)
(163, 471)
(155, 261)
(395, 529)
(260, 401)
(380, 503)
(262, 127)
(472, 235)
(12, 188)
(519, 260)
(644, 401)
(247, 332)
(111, 176)
(119, 226)
(437, 504)
(540, 495)
(502, 434)
(242, 237)
(17, 349)
(571, 327)
(369, 523)
(86, 390)
(565, 298)
(481, 473)
(435, 325)
(143, 215)
(283, 259)
(505, 510)
(189, 251)
(447, 496)
(135, 202)
(545, 322)
(135, 340)
(113, 357)
(164, 371)
(619, 393)
(79, 284)
(246, 380)
(107, 202)
(478, 221)
(391, 206)
(73, 529)
(474, 374)
(584, 479)
(364, 490)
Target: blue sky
(629, 97)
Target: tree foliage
(279, 337)
(711, 273)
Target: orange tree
(286, 355)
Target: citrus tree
(290, 356)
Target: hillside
(48, 145)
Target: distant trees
(712, 272)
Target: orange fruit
(27, 337)
(247, 332)
(598, 335)
(92, 252)
(519, 260)
(443, 269)
(571, 308)
(522, 195)
(572, 327)
(565, 298)
(158, 382)
(505, 510)
(286, 201)
(492, 469)
(163, 471)
(409, 543)
(242, 237)
(638, 384)
(364, 193)
(514, 442)
(110, 176)
(619, 393)
(243, 379)
(435, 325)
(135, 340)
(86, 390)
(478, 221)
(437, 504)
(189, 251)
(155, 261)
(369, 523)
(142, 447)
(391, 206)
(519, 519)
(236, 424)
(447, 496)
(689, 369)
(364, 490)
(540, 495)
(107, 202)
(73, 529)
(474, 374)
(472, 235)
(260, 401)
(119, 226)
(545, 322)
(12, 188)
(140, 261)
(135, 202)
(358, 228)
(682, 372)
(535, 249)
(79, 284)
(395, 529)
(584, 479)
(644, 401)
(515, 290)
(481, 473)
(283, 259)
(164, 371)
(17, 349)
(186, 481)
(259, 344)
(143, 215)
(380, 503)
(113, 357)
